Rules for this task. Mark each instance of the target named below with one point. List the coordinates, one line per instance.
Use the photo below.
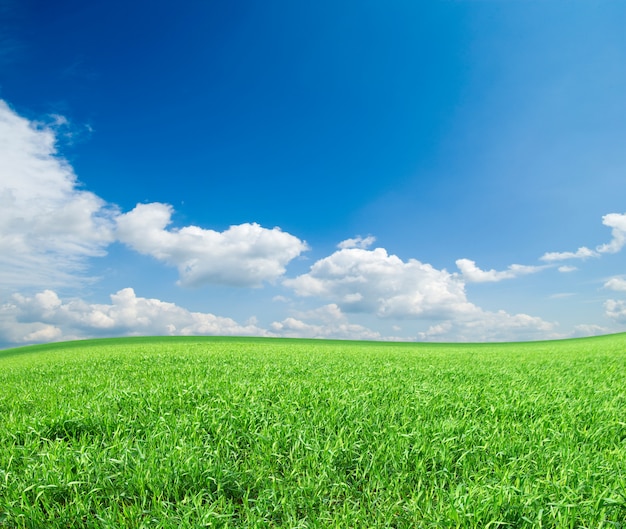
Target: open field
(216, 432)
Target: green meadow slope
(233, 432)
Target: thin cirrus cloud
(242, 255)
(48, 226)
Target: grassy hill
(244, 432)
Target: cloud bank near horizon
(357, 280)
(45, 317)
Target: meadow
(232, 432)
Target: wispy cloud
(616, 221)
(588, 330)
(561, 295)
(357, 242)
(582, 253)
(616, 310)
(473, 274)
(491, 326)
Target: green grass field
(216, 432)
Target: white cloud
(566, 269)
(45, 317)
(359, 280)
(616, 283)
(280, 299)
(357, 242)
(325, 322)
(484, 326)
(243, 255)
(616, 221)
(583, 330)
(582, 253)
(616, 310)
(473, 274)
(45, 333)
(48, 225)
(371, 281)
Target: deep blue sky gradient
(487, 130)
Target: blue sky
(446, 170)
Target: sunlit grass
(201, 432)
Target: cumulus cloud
(616, 310)
(473, 274)
(325, 322)
(357, 242)
(372, 281)
(616, 221)
(45, 317)
(359, 280)
(582, 253)
(48, 225)
(243, 255)
(616, 283)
